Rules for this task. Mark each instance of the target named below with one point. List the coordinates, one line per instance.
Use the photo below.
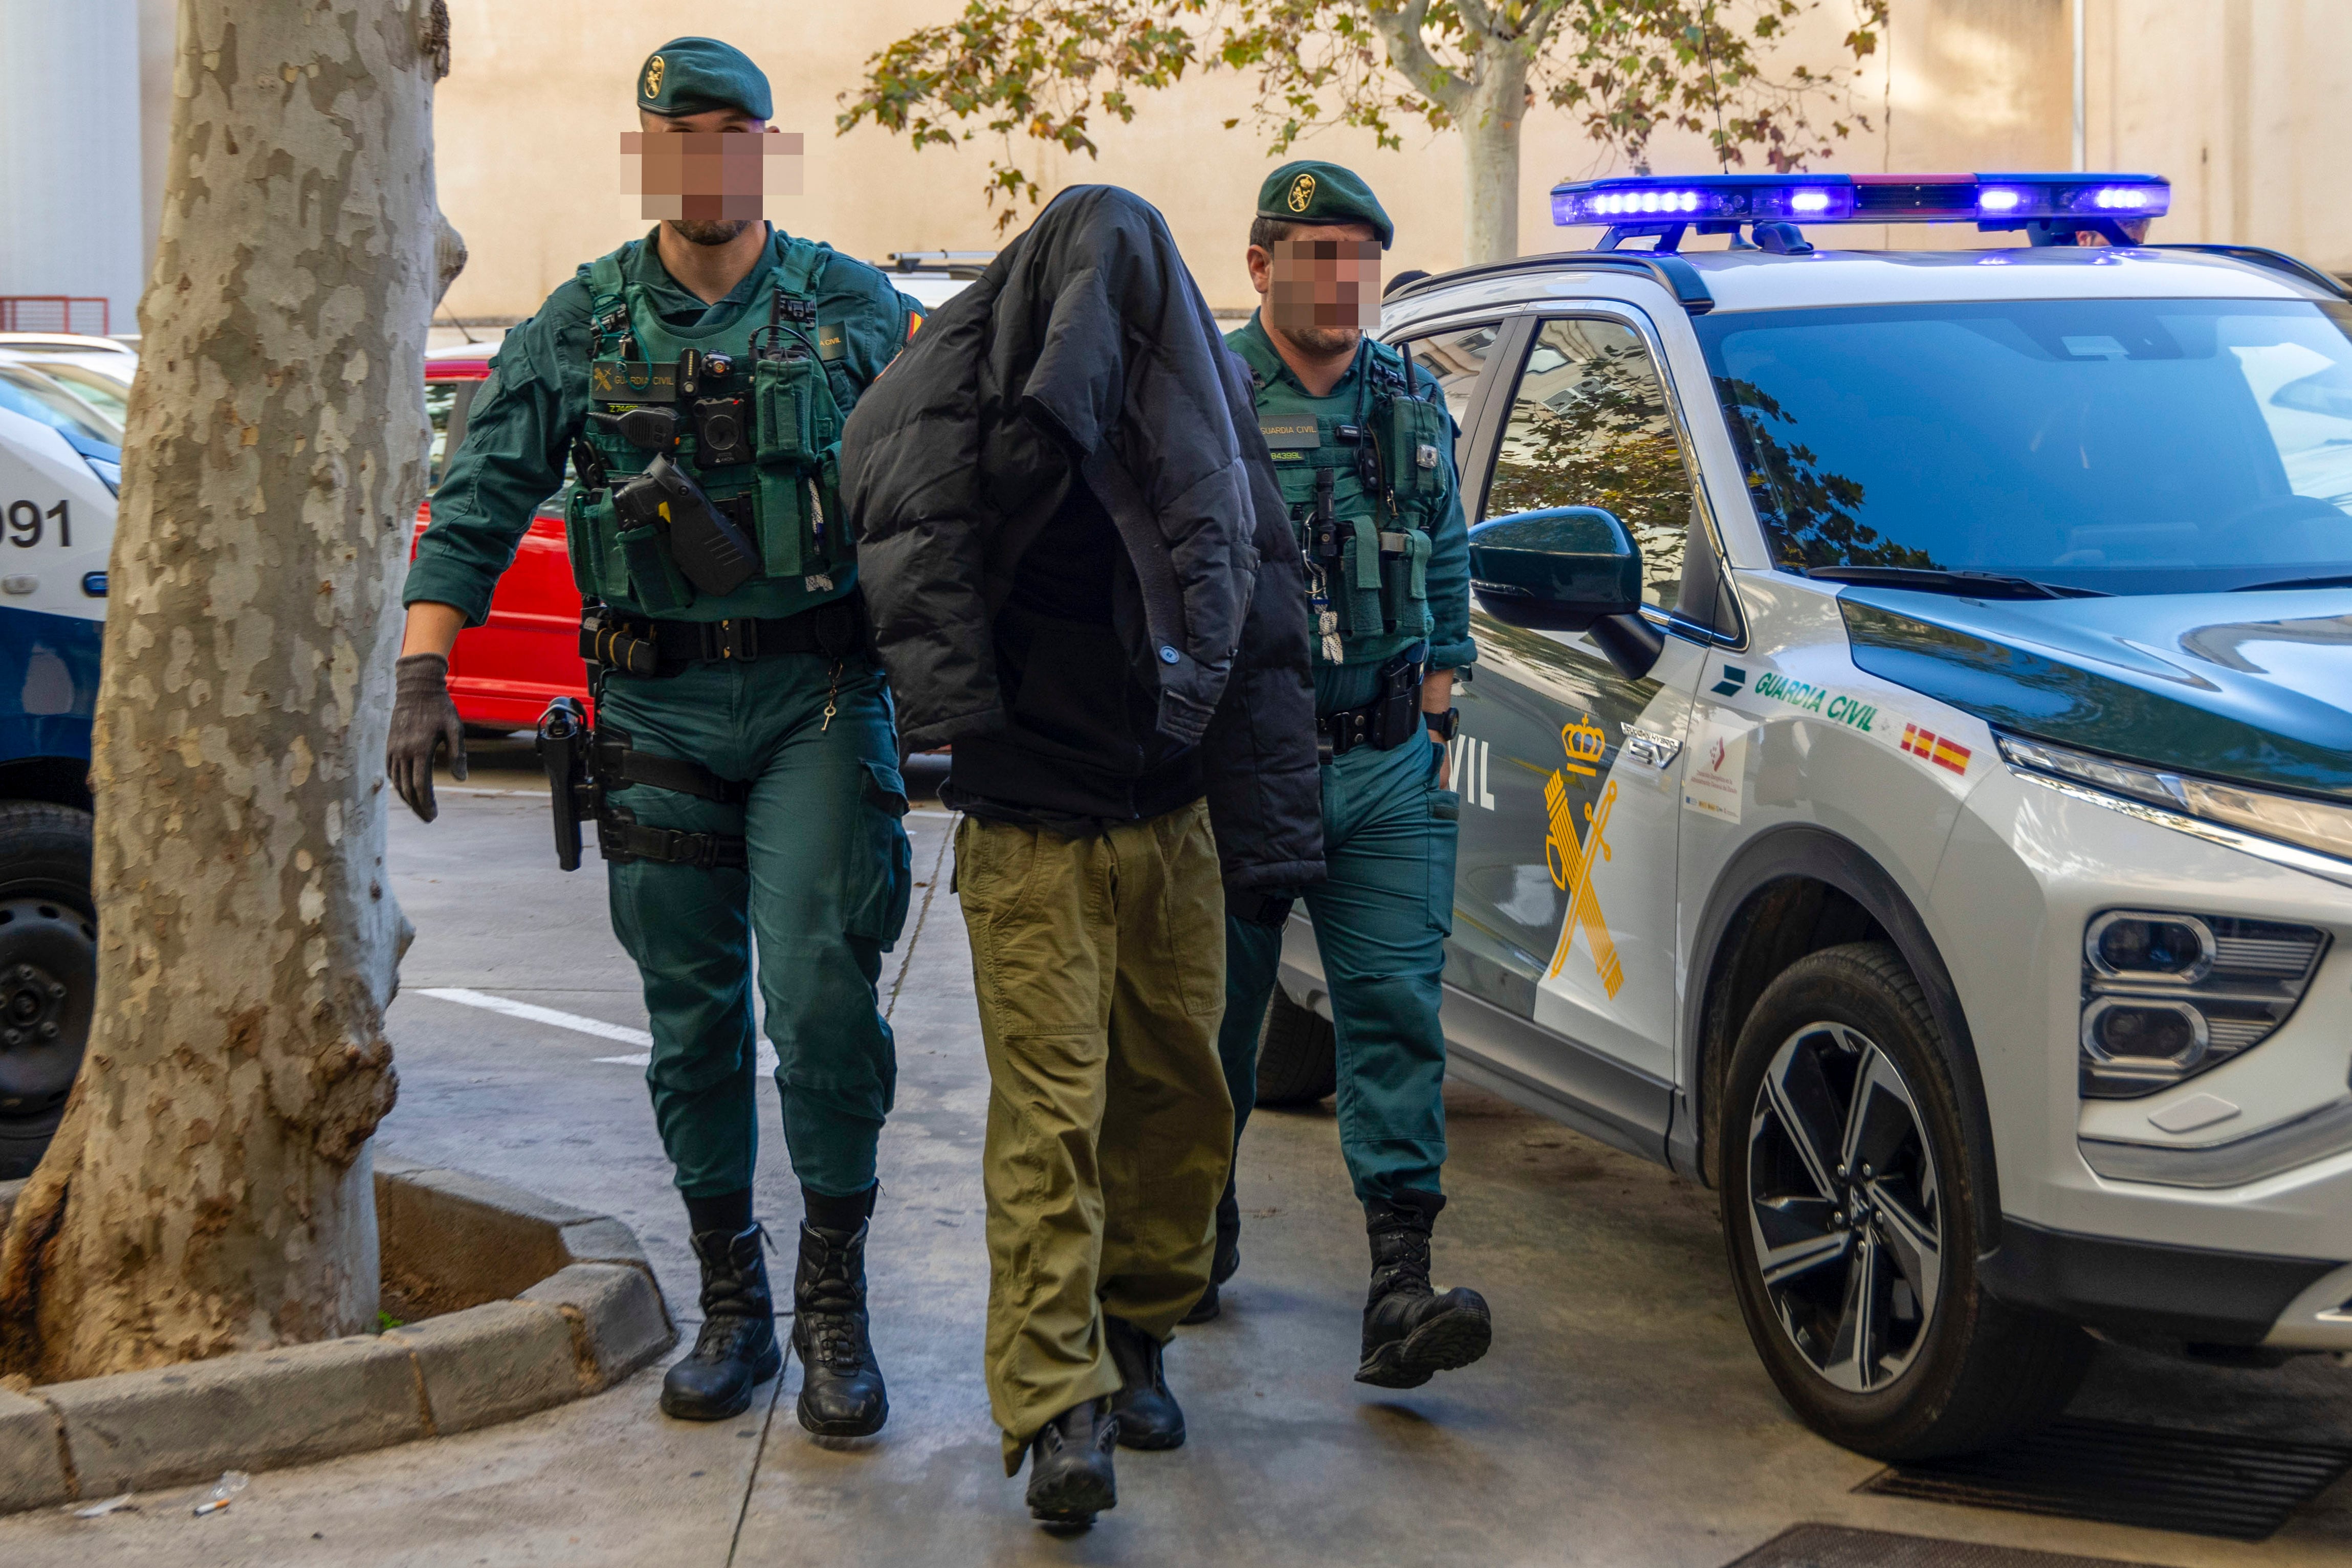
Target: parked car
(504, 673)
(58, 477)
(934, 276)
(1906, 782)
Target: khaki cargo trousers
(1099, 962)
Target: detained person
(1080, 575)
(744, 752)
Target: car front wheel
(1298, 1055)
(49, 972)
(1854, 1220)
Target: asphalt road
(1622, 1420)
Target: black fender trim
(2189, 1293)
(1803, 850)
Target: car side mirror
(1567, 568)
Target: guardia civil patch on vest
(830, 343)
(632, 381)
(1291, 433)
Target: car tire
(49, 972)
(1298, 1055)
(1854, 1215)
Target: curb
(553, 1302)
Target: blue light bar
(1648, 203)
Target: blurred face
(708, 175)
(2134, 230)
(1322, 287)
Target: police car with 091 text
(1908, 780)
(60, 462)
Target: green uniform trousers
(824, 895)
(1380, 922)
(1099, 965)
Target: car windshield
(2121, 445)
(105, 394)
(35, 396)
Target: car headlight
(2288, 818)
(2168, 994)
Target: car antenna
(461, 330)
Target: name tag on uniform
(1287, 437)
(632, 381)
(830, 344)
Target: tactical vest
(762, 438)
(1365, 486)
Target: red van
(504, 673)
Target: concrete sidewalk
(1622, 1420)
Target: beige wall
(2243, 103)
(539, 91)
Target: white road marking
(534, 1014)
(597, 1027)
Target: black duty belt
(834, 630)
(1385, 723)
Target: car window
(2121, 445)
(1456, 357)
(1589, 427)
(34, 395)
(105, 394)
(445, 402)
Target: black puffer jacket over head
(1086, 355)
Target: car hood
(2247, 686)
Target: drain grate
(1834, 1546)
(2202, 1483)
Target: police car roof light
(1648, 202)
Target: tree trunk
(209, 1189)
(1490, 124)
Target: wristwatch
(1442, 725)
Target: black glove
(423, 718)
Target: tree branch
(1409, 56)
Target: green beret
(689, 76)
(1310, 192)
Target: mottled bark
(209, 1190)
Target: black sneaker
(842, 1394)
(1147, 1414)
(1070, 1478)
(1411, 1331)
(737, 1349)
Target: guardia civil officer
(1364, 449)
(744, 750)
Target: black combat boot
(1070, 1478)
(736, 1351)
(1410, 1333)
(1224, 1262)
(1147, 1414)
(841, 1382)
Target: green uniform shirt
(1350, 682)
(522, 422)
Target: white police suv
(1907, 779)
(60, 460)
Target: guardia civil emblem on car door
(1571, 856)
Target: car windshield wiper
(2325, 580)
(1932, 580)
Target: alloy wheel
(1844, 1206)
